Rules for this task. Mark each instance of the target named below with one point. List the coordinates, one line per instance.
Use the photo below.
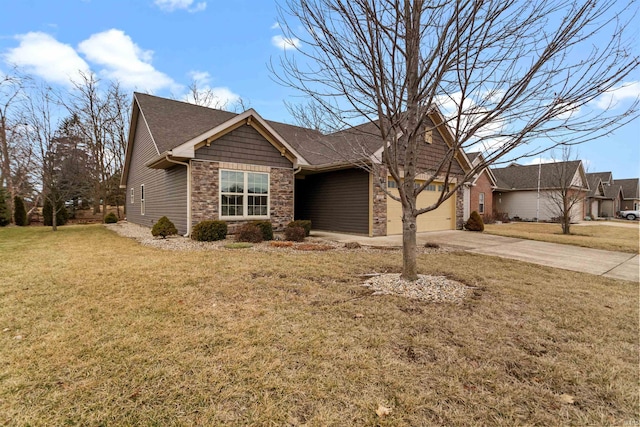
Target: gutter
(188, 165)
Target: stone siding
(205, 190)
(379, 202)
(459, 207)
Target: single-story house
(478, 192)
(605, 196)
(193, 163)
(630, 193)
(529, 192)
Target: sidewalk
(617, 265)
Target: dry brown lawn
(98, 330)
(610, 238)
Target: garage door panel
(442, 218)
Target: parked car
(631, 215)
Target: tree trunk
(409, 261)
(54, 220)
(6, 165)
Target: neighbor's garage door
(443, 218)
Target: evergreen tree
(5, 212)
(19, 211)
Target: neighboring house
(528, 192)
(630, 193)
(605, 196)
(193, 163)
(478, 193)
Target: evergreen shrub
(266, 228)
(111, 218)
(209, 231)
(163, 228)
(474, 223)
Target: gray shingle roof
(595, 180)
(630, 188)
(518, 177)
(187, 120)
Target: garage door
(443, 218)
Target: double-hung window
(481, 203)
(244, 195)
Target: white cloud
(41, 54)
(207, 96)
(613, 97)
(275, 26)
(124, 61)
(540, 160)
(172, 5)
(285, 43)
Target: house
(530, 192)
(605, 196)
(478, 192)
(630, 194)
(192, 163)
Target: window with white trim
(481, 203)
(142, 199)
(131, 198)
(244, 194)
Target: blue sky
(161, 46)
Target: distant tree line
(60, 149)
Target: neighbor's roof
(595, 184)
(612, 191)
(519, 177)
(605, 177)
(630, 188)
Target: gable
(243, 145)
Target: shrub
(19, 211)
(249, 232)
(111, 218)
(62, 216)
(352, 245)
(266, 228)
(209, 231)
(474, 223)
(5, 213)
(303, 223)
(431, 245)
(294, 234)
(163, 228)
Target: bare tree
(506, 74)
(103, 124)
(11, 94)
(567, 189)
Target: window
(392, 184)
(131, 198)
(481, 203)
(142, 199)
(244, 194)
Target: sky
(161, 46)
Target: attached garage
(443, 218)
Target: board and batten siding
(165, 189)
(244, 145)
(335, 201)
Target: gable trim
(250, 118)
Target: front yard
(99, 330)
(607, 237)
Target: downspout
(188, 189)
(295, 172)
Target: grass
(238, 245)
(610, 238)
(114, 333)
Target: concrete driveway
(617, 265)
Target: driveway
(617, 265)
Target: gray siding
(335, 201)
(243, 145)
(165, 189)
